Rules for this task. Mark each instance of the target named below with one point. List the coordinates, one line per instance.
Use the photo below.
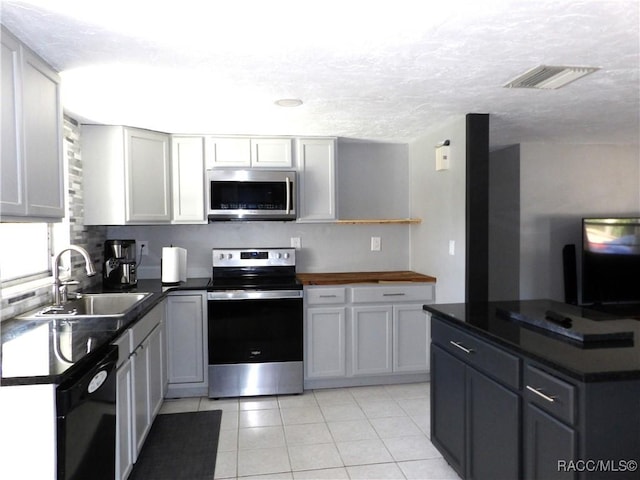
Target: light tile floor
(379, 432)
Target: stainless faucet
(60, 297)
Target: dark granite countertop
(46, 351)
(590, 361)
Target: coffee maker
(119, 267)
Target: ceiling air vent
(549, 77)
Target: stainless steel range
(255, 321)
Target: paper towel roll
(174, 265)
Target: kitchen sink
(93, 305)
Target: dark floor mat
(180, 446)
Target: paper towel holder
(173, 265)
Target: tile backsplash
(91, 238)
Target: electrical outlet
(295, 242)
(375, 244)
(452, 247)
(143, 247)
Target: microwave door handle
(288, 182)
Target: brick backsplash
(89, 237)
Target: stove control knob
(286, 255)
(278, 255)
(221, 256)
(229, 256)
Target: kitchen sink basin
(94, 305)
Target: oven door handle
(253, 294)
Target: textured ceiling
(377, 70)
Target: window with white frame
(25, 251)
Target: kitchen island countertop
(594, 361)
(346, 278)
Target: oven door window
(255, 331)
(248, 195)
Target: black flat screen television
(610, 260)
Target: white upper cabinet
(12, 195)
(248, 152)
(126, 176)
(187, 180)
(228, 152)
(271, 152)
(32, 170)
(148, 191)
(316, 158)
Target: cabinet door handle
(327, 296)
(538, 392)
(393, 294)
(461, 347)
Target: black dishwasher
(86, 421)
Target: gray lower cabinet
(465, 406)
(124, 406)
(371, 342)
(141, 384)
(498, 414)
(147, 384)
(494, 415)
(448, 406)
(549, 435)
(325, 342)
(365, 334)
(187, 344)
(547, 441)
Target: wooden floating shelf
(399, 221)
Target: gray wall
(559, 184)
(438, 198)
(325, 247)
(504, 224)
(373, 180)
(539, 193)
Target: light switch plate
(375, 244)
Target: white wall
(559, 184)
(438, 197)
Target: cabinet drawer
(144, 326)
(476, 352)
(550, 394)
(325, 296)
(393, 293)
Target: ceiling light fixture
(288, 102)
(549, 77)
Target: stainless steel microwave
(251, 194)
